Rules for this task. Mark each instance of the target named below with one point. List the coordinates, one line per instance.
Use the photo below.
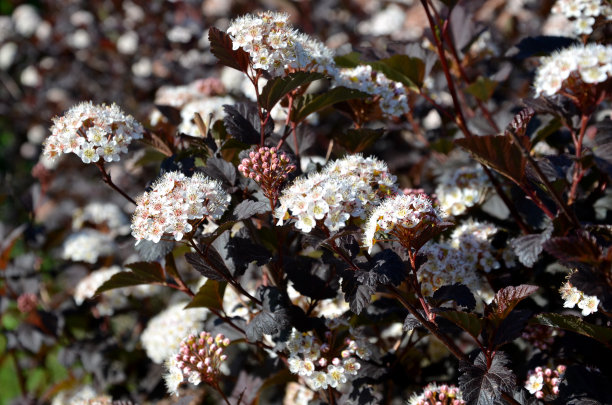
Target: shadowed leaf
(409, 71)
(308, 104)
(248, 208)
(277, 88)
(210, 295)
(466, 321)
(498, 152)
(459, 293)
(358, 140)
(482, 88)
(142, 273)
(577, 325)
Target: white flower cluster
(583, 12)
(276, 47)
(175, 200)
(434, 394)
(393, 97)
(458, 259)
(113, 299)
(343, 189)
(92, 132)
(574, 66)
(297, 394)
(165, 332)
(82, 395)
(210, 109)
(106, 215)
(542, 382)
(400, 217)
(87, 245)
(573, 296)
(317, 362)
(464, 188)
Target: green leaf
(498, 152)
(482, 88)
(210, 295)
(350, 60)
(405, 69)
(142, 273)
(222, 47)
(466, 321)
(310, 103)
(358, 140)
(577, 325)
(277, 88)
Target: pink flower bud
(223, 357)
(200, 365)
(202, 352)
(322, 362)
(539, 395)
(226, 342)
(207, 361)
(441, 396)
(209, 370)
(555, 390)
(219, 351)
(252, 155)
(336, 361)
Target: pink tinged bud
(226, 342)
(555, 390)
(554, 381)
(335, 361)
(193, 359)
(180, 364)
(438, 403)
(210, 340)
(219, 351)
(262, 150)
(213, 347)
(202, 352)
(186, 370)
(200, 365)
(257, 156)
(266, 172)
(207, 361)
(258, 178)
(245, 162)
(345, 354)
(241, 168)
(539, 395)
(252, 175)
(273, 166)
(209, 370)
(186, 357)
(427, 394)
(548, 372)
(256, 167)
(441, 396)
(251, 155)
(322, 362)
(201, 341)
(272, 150)
(561, 369)
(538, 369)
(223, 357)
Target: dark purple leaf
(212, 268)
(484, 386)
(242, 122)
(539, 46)
(249, 208)
(575, 249)
(221, 170)
(527, 248)
(459, 293)
(498, 152)
(221, 46)
(508, 298)
(142, 273)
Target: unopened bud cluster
(573, 296)
(434, 394)
(540, 336)
(543, 382)
(198, 360)
(174, 201)
(324, 364)
(269, 168)
(401, 218)
(92, 132)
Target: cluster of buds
(27, 303)
(543, 382)
(573, 296)
(539, 336)
(269, 168)
(198, 360)
(434, 394)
